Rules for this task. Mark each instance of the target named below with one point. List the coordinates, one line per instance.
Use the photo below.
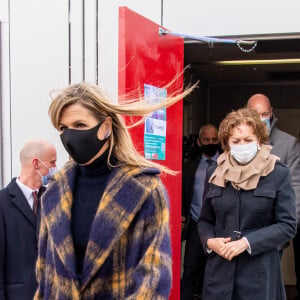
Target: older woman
(248, 210)
(105, 218)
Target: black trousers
(296, 245)
(194, 265)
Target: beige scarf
(243, 176)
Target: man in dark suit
(193, 185)
(18, 221)
(287, 148)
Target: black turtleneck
(89, 188)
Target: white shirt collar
(27, 191)
(214, 158)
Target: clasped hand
(227, 248)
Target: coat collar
(19, 200)
(272, 129)
(122, 198)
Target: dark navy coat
(266, 216)
(18, 245)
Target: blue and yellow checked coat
(128, 254)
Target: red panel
(147, 57)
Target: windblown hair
(242, 116)
(97, 102)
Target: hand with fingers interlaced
(234, 248)
(227, 248)
(217, 244)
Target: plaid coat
(128, 254)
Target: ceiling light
(258, 62)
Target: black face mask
(210, 149)
(82, 145)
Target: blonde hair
(242, 116)
(97, 102)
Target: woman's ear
(108, 124)
(105, 129)
(258, 146)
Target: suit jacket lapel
(21, 203)
(191, 174)
(56, 207)
(38, 215)
(121, 199)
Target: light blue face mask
(46, 178)
(267, 122)
(51, 172)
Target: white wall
(38, 64)
(231, 17)
(3, 10)
(5, 91)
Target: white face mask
(244, 153)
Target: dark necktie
(35, 201)
(210, 164)
(209, 161)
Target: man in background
(193, 185)
(287, 148)
(19, 209)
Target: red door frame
(147, 57)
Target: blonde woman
(105, 218)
